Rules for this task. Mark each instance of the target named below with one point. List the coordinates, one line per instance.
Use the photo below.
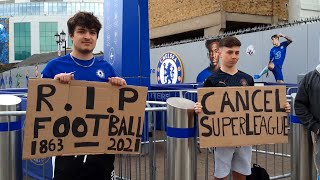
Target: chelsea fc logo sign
(170, 69)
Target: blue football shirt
(278, 54)
(99, 71)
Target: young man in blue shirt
(277, 57)
(80, 64)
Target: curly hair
(210, 41)
(85, 20)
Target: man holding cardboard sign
(80, 64)
(235, 159)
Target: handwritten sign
(82, 118)
(237, 116)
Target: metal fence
(150, 163)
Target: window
(47, 40)
(22, 41)
(2, 10)
(57, 7)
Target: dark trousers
(97, 167)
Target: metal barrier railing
(150, 163)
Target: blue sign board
(126, 39)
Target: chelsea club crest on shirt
(100, 74)
(170, 69)
(40, 161)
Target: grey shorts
(232, 159)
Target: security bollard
(10, 140)
(181, 140)
(302, 165)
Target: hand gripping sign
(82, 118)
(238, 116)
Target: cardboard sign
(237, 116)
(82, 118)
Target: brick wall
(163, 12)
(258, 7)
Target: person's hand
(64, 78)
(117, 81)
(287, 107)
(197, 108)
(280, 35)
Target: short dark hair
(276, 36)
(85, 20)
(230, 41)
(210, 41)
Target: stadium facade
(31, 25)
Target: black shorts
(98, 167)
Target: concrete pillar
(275, 13)
(213, 31)
(294, 8)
